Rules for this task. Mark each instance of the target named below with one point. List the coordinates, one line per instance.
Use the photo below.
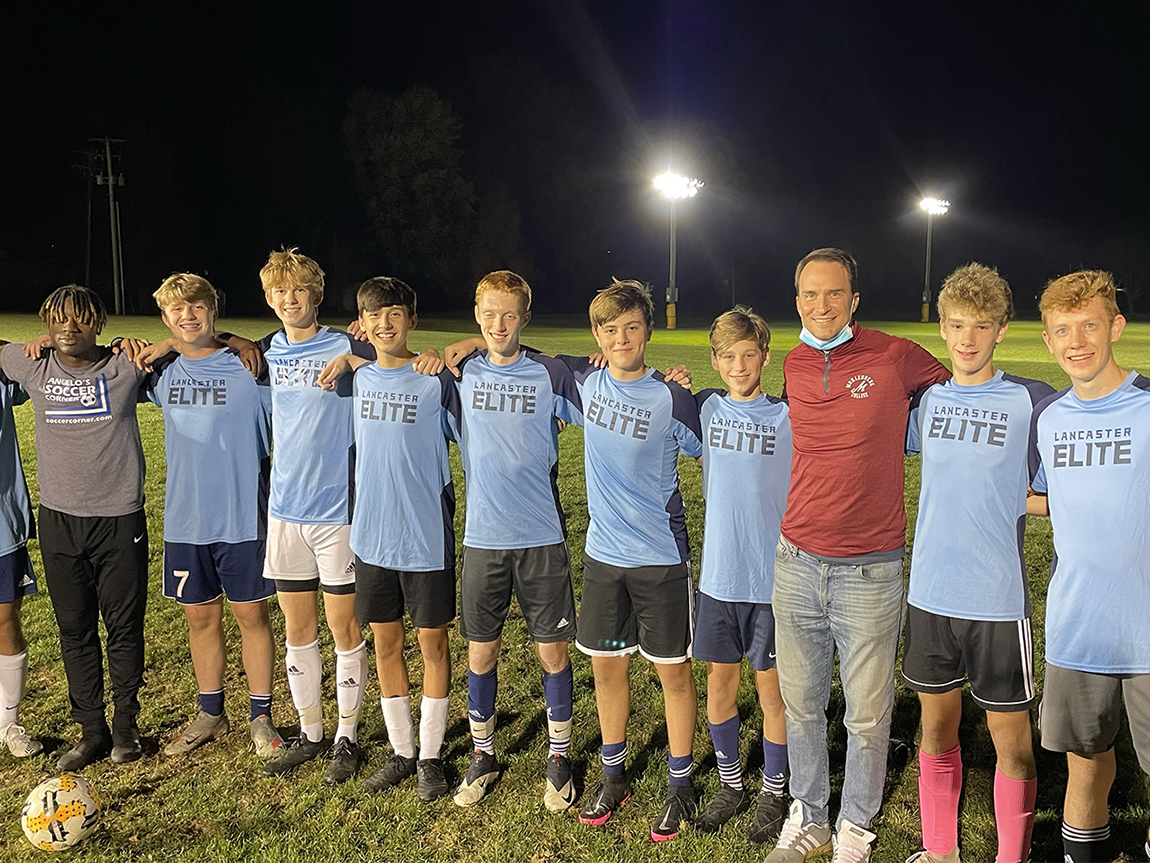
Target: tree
(403, 151)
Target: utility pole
(111, 181)
(88, 168)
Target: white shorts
(303, 552)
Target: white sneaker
(927, 857)
(799, 842)
(20, 743)
(853, 844)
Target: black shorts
(382, 594)
(940, 653)
(643, 608)
(541, 580)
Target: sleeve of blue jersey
(914, 431)
(451, 409)
(702, 395)
(364, 350)
(566, 402)
(581, 367)
(685, 420)
(1034, 458)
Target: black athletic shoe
(344, 762)
(431, 782)
(770, 815)
(610, 794)
(299, 751)
(87, 751)
(391, 774)
(126, 747)
(678, 808)
(728, 803)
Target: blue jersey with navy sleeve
(747, 453)
(1092, 459)
(633, 432)
(217, 440)
(403, 420)
(314, 451)
(510, 448)
(16, 523)
(968, 559)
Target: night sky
(811, 123)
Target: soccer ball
(60, 812)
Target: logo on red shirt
(858, 385)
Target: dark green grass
(216, 806)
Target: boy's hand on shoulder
(597, 360)
(456, 351)
(428, 362)
(34, 348)
(680, 375)
(334, 370)
(143, 354)
(249, 352)
(356, 331)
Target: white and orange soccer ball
(60, 812)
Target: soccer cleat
(927, 857)
(299, 751)
(431, 783)
(728, 803)
(770, 813)
(391, 774)
(559, 793)
(853, 844)
(203, 729)
(678, 808)
(344, 762)
(265, 738)
(480, 774)
(126, 747)
(20, 743)
(610, 794)
(798, 841)
(87, 751)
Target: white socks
(432, 726)
(350, 679)
(13, 671)
(305, 670)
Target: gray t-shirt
(88, 452)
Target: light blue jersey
(746, 475)
(1092, 459)
(314, 449)
(217, 442)
(16, 524)
(968, 559)
(510, 448)
(633, 434)
(403, 421)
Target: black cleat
(87, 751)
(606, 797)
(770, 814)
(431, 782)
(728, 803)
(391, 774)
(299, 751)
(678, 809)
(344, 762)
(126, 747)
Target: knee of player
(433, 644)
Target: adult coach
(838, 565)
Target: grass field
(216, 805)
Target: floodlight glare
(674, 185)
(934, 206)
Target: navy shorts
(195, 574)
(17, 577)
(728, 631)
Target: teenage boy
(1089, 448)
(216, 436)
(310, 509)
(403, 557)
(969, 608)
(515, 534)
(17, 578)
(746, 474)
(93, 533)
(637, 588)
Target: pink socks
(1014, 815)
(939, 786)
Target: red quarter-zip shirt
(849, 409)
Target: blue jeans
(818, 607)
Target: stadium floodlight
(675, 187)
(932, 207)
